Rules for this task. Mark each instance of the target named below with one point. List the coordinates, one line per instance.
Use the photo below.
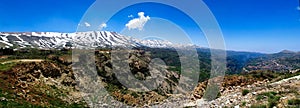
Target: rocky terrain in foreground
(37, 84)
(246, 93)
(46, 79)
(49, 81)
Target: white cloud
(103, 25)
(138, 23)
(130, 16)
(87, 24)
(298, 8)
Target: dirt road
(23, 60)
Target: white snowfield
(55, 40)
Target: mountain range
(55, 40)
(237, 62)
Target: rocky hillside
(34, 77)
(50, 77)
(285, 61)
(253, 90)
(39, 84)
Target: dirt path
(23, 60)
(287, 79)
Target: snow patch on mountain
(94, 39)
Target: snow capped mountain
(35, 39)
(94, 39)
(103, 39)
(156, 43)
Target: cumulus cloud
(130, 16)
(138, 23)
(103, 25)
(87, 24)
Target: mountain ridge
(56, 40)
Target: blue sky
(42, 15)
(248, 25)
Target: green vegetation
(24, 104)
(62, 104)
(272, 76)
(294, 102)
(258, 106)
(245, 92)
(134, 94)
(264, 74)
(259, 97)
(273, 101)
(169, 56)
(269, 94)
(288, 75)
(7, 66)
(13, 104)
(11, 95)
(10, 100)
(32, 53)
(8, 103)
(244, 103)
(272, 97)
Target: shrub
(245, 92)
(272, 98)
(244, 103)
(134, 94)
(259, 97)
(258, 106)
(294, 102)
(7, 66)
(272, 103)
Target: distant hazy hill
(284, 61)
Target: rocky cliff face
(140, 66)
(40, 83)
